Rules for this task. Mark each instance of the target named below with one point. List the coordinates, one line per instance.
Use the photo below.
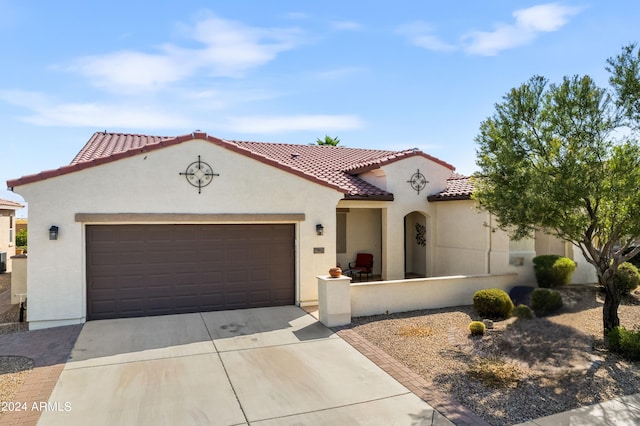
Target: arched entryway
(416, 243)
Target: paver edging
(443, 403)
(49, 349)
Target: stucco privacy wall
(426, 293)
(150, 183)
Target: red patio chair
(362, 265)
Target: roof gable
(9, 205)
(335, 167)
(458, 188)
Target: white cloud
(46, 112)
(225, 49)
(545, 17)
(422, 35)
(288, 123)
(130, 71)
(528, 25)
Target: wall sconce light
(53, 232)
(319, 229)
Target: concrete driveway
(267, 366)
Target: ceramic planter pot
(335, 272)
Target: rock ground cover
(521, 369)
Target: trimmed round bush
(625, 342)
(523, 312)
(477, 328)
(627, 278)
(545, 301)
(553, 270)
(493, 303)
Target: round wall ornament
(418, 182)
(199, 174)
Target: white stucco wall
(462, 241)
(457, 240)
(427, 293)
(7, 237)
(407, 200)
(150, 183)
(468, 242)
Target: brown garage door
(141, 270)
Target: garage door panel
(139, 270)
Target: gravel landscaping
(521, 369)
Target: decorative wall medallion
(199, 174)
(418, 181)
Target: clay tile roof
(104, 144)
(336, 167)
(458, 188)
(327, 163)
(10, 204)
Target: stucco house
(144, 225)
(7, 232)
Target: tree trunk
(610, 309)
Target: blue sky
(376, 74)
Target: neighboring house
(152, 225)
(21, 224)
(7, 232)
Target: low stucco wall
(381, 297)
(19, 279)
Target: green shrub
(625, 342)
(477, 328)
(21, 238)
(523, 312)
(627, 278)
(493, 303)
(553, 270)
(545, 301)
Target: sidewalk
(5, 301)
(620, 412)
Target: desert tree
(560, 158)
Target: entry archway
(416, 245)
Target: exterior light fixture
(319, 229)
(53, 232)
